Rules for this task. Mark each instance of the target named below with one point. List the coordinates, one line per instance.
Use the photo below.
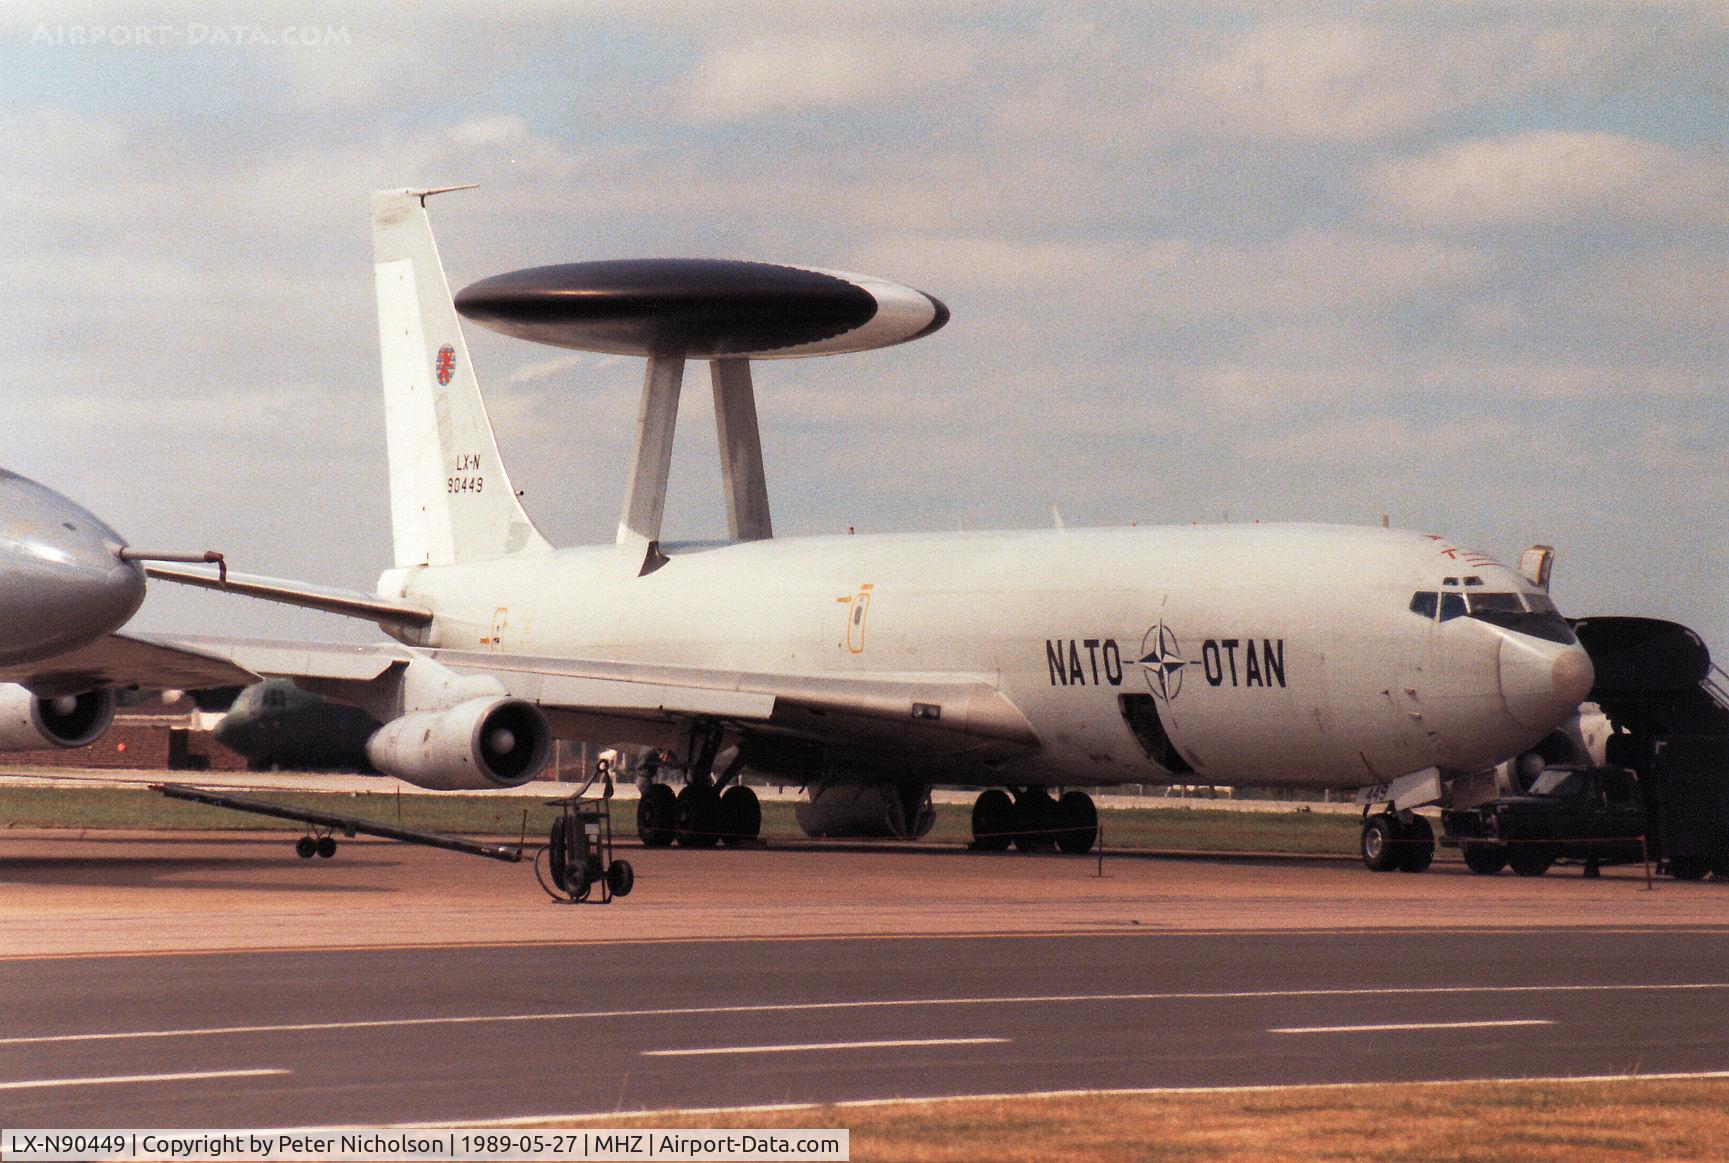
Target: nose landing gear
(1388, 843)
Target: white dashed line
(112, 1079)
(790, 1048)
(867, 1004)
(1396, 1026)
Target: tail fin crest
(450, 498)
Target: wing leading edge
(592, 699)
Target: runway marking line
(867, 1004)
(1108, 1092)
(796, 1047)
(1394, 1027)
(112, 1079)
(1120, 929)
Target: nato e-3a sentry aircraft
(869, 668)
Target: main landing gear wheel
(740, 816)
(326, 847)
(657, 816)
(1035, 813)
(698, 816)
(1485, 859)
(1380, 843)
(1417, 848)
(993, 820)
(1078, 822)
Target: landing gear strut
(706, 811)
(1389, 843)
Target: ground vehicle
(1591, 814)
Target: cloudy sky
(1462, 264)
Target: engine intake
(29, 722)
(480, 744)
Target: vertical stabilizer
(450, 500)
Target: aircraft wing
(585, 698)
(923, 715)
(128, 660)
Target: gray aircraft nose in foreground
(62, 581)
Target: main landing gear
(706, 811)
(1390, 843)
(1032, 821)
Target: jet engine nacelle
(29, 722)
(901, 811)
(480, 744)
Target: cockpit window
(1510, 612)
(1532, 614)
(1495, 604)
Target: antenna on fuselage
(727, 312)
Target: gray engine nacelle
(901, 811)
(29, 722)
(480, 744)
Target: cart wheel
(306, 848)
(620, 878)
(326, 847)
(555, 855)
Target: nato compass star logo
(1162, 661)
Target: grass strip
(1174, 828)
(1580, 1122)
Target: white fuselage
(1266, 654)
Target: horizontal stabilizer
(348, 603)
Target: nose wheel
(1389, 844)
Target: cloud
(1305, 273)
(1554, 177)
(774, 76)
(1287, 79)
(1334, 81)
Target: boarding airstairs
(1669, 704)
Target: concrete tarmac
(220, 981)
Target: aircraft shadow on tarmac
(225, 873)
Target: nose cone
(1543, 683)
(62, 583)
